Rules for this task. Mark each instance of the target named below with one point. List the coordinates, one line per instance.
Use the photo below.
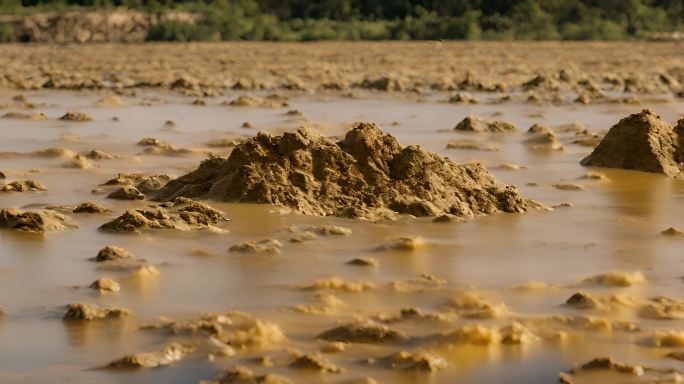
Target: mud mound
(366, 172)
(640, 142)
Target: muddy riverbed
(483, 300)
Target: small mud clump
(261, 246)
(244, 375)
(364, 262)
(127, 192)
(89, 207)
(181, 214)
(76, 116)
(105, 284)
(315, 362)
(28, 116)
(641, 142)
(270, 101)
(544, 141)
(471, 145)
(170, 354)
(367, 172)
(361, 332)
(112, 253)
(144, 184)
(419, 361)
(34, 221)
(673, 231)
(24, 186)
(85, 312)
(477, 124)
(616, 279)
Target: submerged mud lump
(366, 172)
(641, 142)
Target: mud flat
(153, 238)
(551, 72)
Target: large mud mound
(641, 142)
(367, 172)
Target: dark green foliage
(391, 19)
(6, 33)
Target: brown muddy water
(611, 224)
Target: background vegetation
(390, 19)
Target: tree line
(300, 20)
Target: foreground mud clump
(367, 172)
(641, 142)
(181, 214)
(34, 221)
(476, 124)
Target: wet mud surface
(182, 291)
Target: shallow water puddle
(610, 224)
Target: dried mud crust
(641, 142)
(368, 171)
